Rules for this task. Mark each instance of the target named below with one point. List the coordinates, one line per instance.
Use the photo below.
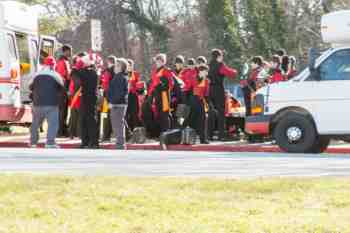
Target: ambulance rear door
(28, 55)
(47, 47)
(9, 69)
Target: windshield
(306, 72)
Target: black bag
(139, 135)
(189, 136)
(170, 137)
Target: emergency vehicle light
(257, 110)
(14, 73)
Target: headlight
(258, 105)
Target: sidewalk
(240, 146)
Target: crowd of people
(82, 96)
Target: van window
(34, 48)
(336, 67)
(23, 48)
(11, 47)
(47, 48)
(24, 53)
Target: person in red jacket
(276, 72)
(200, 104)
(141, 97)
(249, 86)
(105, 79)
(201, 60)
(189, 76)
(162, 83)
(285, 62)
(75, 98)
(133, 104)
(292, 71)
(179, 65)
(218, 70)
(108, 72)
(185, 75)
(191, 63)
(64, 69)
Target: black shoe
(120, 147)
(205, 142)
(83, 146)
(223, 139)
(106, 140)
(94, 147)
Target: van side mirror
(313, 55)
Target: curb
(196, 148)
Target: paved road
(146, 163)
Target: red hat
(79, 64)
(50, 61)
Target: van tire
(295, 133)
(321, 145)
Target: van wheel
(295, 133)
(321, 145)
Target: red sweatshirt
(276, 76)
(156, 76)
(105, 78)
(134, 78)
(188, 76)
(228, 72)
(63, 68)
(201, 89)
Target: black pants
(63, 113)
(74, 123)
(187, 99)
(237, 122)
(164, 116)
(88, 119)
(217, 97)
(151, 125)
(199, 118)
(212, 119)
(132, 112)
(107, 127)
(247, 100)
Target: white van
(303, 114)
(19, 59)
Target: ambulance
(305, 113)
(21, 51)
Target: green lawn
(35, 204)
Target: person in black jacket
(217, 73)
(47, 87)
(118, 101)
(88, 107)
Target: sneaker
(33, 146)
(94, 147)
(205, 142)
(54, 146)
(83, 146)
(120, 147)
(106, 140)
